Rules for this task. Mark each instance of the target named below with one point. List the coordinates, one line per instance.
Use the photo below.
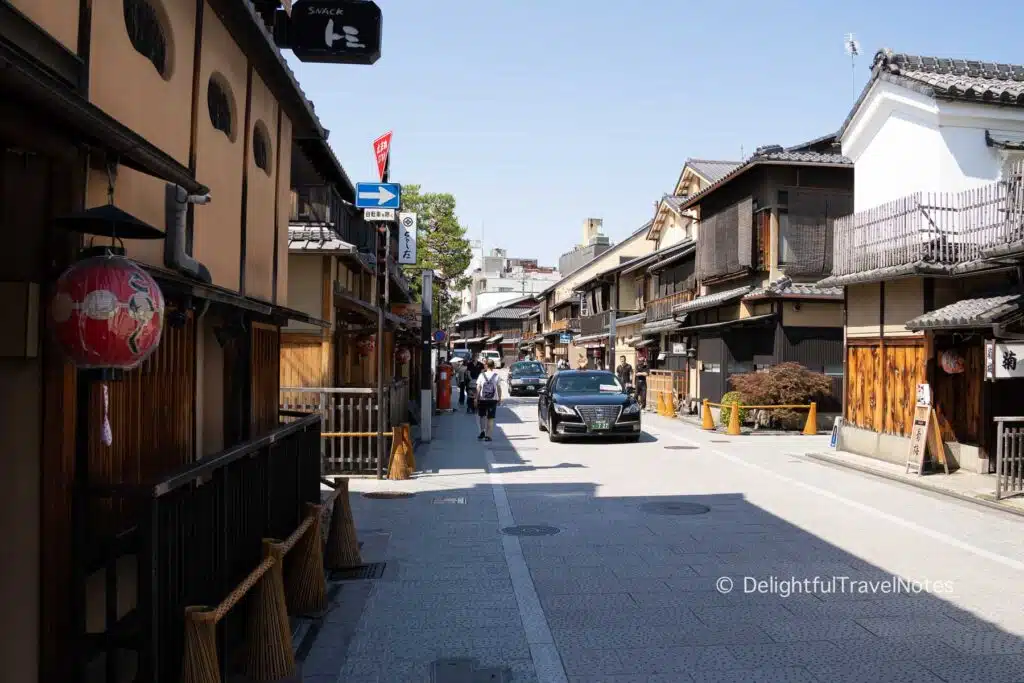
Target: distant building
(594, 243)
(496, 279)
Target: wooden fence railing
(1009, 456)
(347, 410)
(200, 533)
(668, 385)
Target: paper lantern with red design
(107, 313)
(951, 362)
(365, 345)
(404, 355)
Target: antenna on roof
(852, 49)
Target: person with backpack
(488, 392)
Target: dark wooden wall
(266, 378)
(959, 399)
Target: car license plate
(531, 387)
(599, 426)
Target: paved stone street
(631, 587)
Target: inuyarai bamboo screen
(726, 241)
(806, 231)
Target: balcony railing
(661, 309)
(198, 533)
(322, 205)
(934, 230)
(596, 324)
(563, 324)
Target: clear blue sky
(537, 114)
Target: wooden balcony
(596, 324)
(565, 324)
(661, 309)
(929, 232)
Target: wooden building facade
(763, 239)
(185, 116)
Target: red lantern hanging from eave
(365, 345)
(404, 355)
(951, 362)
(107, 313)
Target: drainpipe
(176, 201)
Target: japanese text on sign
(407, 238)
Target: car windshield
(527, 369)
(588, 383)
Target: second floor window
(147, 34)
(219, 105)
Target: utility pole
(383, 232)
(613, 313)
(426, 365)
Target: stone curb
(829, 460)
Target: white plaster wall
(903, 142)
(305, 288)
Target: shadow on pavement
(672, 588)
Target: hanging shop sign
(331, 31)
(1004, 360)
(412, 314)
(107, 313)
(407, 239)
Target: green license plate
(599, 426)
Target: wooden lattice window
(219, 104)
(146, 33)
(261, 146)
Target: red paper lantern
(404, 355)
(951, 362)
(107, 313)
(365, 345)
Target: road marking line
(907, 524)
(547, 663)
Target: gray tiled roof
(673, 201)
(712, 170)
(710, 300)
(825, 143)
(805, 157)
(946, 78)
(507, 310)
(770, 154)
(784, 287)
(968, 313)
(632, 319)
(307, 238)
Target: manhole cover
(450, 500)
(374, 570)
(680, 448)
(387, 495)
(530, 530)
(669, 508)
(466, 670)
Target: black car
(526, 377)
(587, 403)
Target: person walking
(488, 392)
(462, 378)
(624, 372)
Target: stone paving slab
(625, 593)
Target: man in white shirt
(488, 396)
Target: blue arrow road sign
(378, 195)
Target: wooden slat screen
(152, 416)
(266, 378)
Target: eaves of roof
(813, 159)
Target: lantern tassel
(107, 436)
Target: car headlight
(564, 410)
(631, 409)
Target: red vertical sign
(381, 150)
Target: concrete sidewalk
(446, 590)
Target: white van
(491, 355)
